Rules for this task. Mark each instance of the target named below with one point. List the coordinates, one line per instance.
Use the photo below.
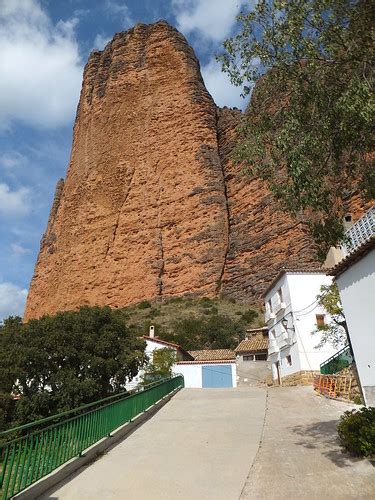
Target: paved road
(300, 456)
(199, 446)
(223, 444)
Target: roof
(217, 362)
(297, 270)
(168, 344)
(263, 329)
(253, 345)
(212, 354)
(352, 258)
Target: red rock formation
(152, 206)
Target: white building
(355, 278)
(201, 369)
(292, 313)
(152, 344)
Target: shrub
(206, 302)
(154, 312)
(175, 300)
(356, 430)
(249, 315)
(145, 304)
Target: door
(217, 376)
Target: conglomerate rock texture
(152, 206)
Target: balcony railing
(360, 232)
(337, 362)
(32, 451)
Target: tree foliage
(59, 362)
(308, 131)
(335, 332)
(215, 331)
(160, 365)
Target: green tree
(308, 131)
(335, 332)
(59, 362)
(160, 366)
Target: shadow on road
(323, 436)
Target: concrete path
(199, 446)
(223, 444)
(300, 456)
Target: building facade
(355, 278)
(292, 314)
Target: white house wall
(303, 292)
(357, 291)
(299, 295)
(193, 373)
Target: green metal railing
(337, 362)
(31, 451)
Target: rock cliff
(152, 206)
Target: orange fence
(333, 386)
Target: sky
(44, 46)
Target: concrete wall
(357, 291)
(193, 373)
(252, 372)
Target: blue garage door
(217, 376)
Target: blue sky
(44, 46)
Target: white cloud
(120, 10)
(40, 66)
(12, 300)
(219, 86)
(210, 19)
(12, 160)
(14, 203)
(18, 249)
(101, 41)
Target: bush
(249, 315)
(356, 430)
(145, 304)
(206, 302)
(154, 312)
(175, 300)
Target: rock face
(152, 206)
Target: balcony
(280, 306)
(360, 232)
(269, 316)
(273, 347)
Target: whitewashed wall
(357, 291)
(299, 294)
(193, 373)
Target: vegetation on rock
(203, 323)
(309, 128)
(59, 362)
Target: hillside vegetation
(195, 323)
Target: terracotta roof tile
(212, 354)
(253, 345)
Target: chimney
(152, 331)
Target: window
(261, 357)
(289, 360)
(272, 335)
(320, 320)
(280, 295)
(269, 306)
(248, 357)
